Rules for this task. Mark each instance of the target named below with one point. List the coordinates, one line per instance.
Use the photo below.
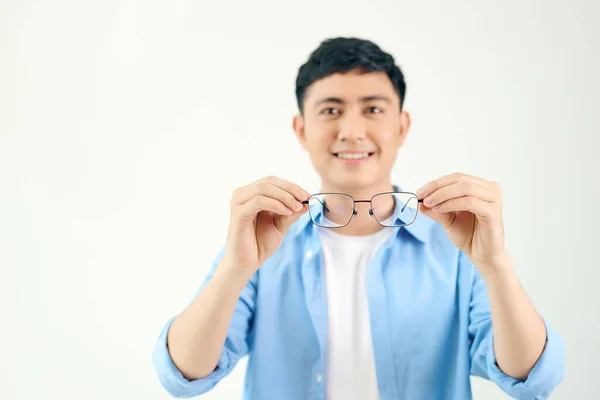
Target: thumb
(286, 221)
(443, 219)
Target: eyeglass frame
(355, 211)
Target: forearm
(197, 335)
(519, 331)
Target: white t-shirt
(349, 366)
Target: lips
(353, 155)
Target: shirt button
(319, 378)
(308, 254)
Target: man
(357, 300)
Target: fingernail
(298, 205)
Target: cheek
(320, 140)
(387, 141)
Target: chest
(412, 292)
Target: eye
(374, 110)
(330, 111)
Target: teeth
(353, 156)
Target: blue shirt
(429, 316)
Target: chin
(349, 182)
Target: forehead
(351, 86)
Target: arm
(519, 331)
(505, 331)
(196, 337)
(200, 346)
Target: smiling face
(352, 128)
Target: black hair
(341, 55)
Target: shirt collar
(419, 229)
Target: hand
(261, 214)
(470, 210)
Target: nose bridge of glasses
(355, 211)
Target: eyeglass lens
(334, 210)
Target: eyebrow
(367, 99)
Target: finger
(480, 208)
(262, 187)
(444, 219)
(262, 203)
(245, 193)
(285, 222)
(290, 187)
(274, 192)
(446, 180)
(459, 189)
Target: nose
(352, 128)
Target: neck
(361, 224)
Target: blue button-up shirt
(429, 316)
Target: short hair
(341, 55)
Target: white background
(125, 125)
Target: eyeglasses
(390, 209)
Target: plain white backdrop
(125, 126)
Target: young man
(335, 299)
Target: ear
(404, 127)
(298, 125)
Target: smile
(353, 158)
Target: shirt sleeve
(546, 374)
(236, 346)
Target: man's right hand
(261, 214)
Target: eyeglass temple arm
(326, 209)
(418, 201)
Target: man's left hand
(470, 210)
